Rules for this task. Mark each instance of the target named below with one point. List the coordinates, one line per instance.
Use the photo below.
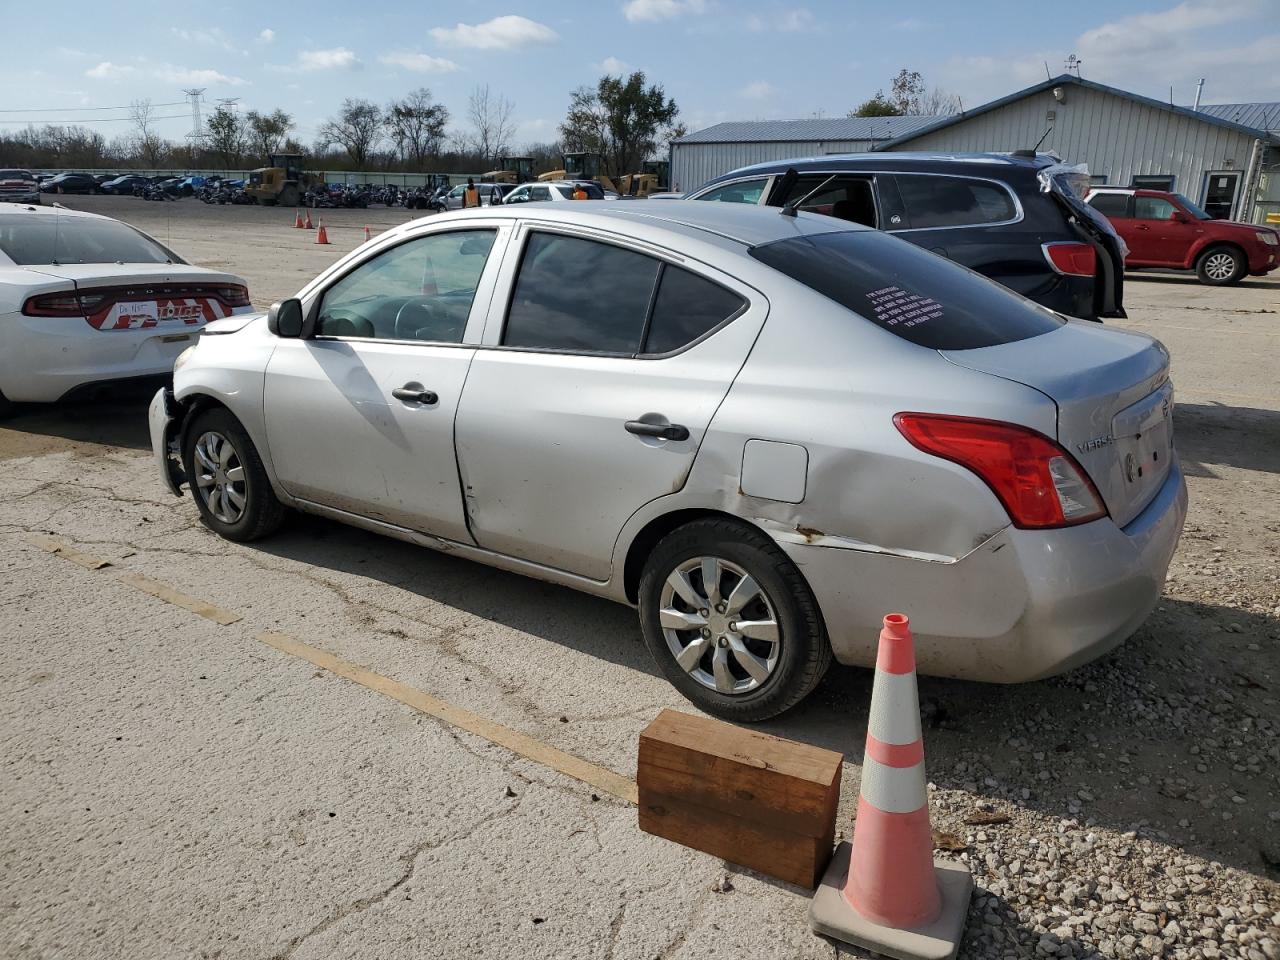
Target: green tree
(267, 131)
(225, 136)
(621, 119)
(877, 106)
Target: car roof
(909, 161)
(51, 210)
(741, 223)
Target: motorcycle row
(328, 196)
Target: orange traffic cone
(297, 220)
(885, 892)
(307, 223)
(366, 234)
(322, 235)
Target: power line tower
(195, 95)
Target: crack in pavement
(410, 859)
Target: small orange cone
(366, 234)
(322, 235)
(297, 220)
(307, 223)
(885, 892)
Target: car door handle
(414, 393)
(663, 431)
(1142, 226)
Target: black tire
(803, 650)
(261, 513)
(1210, 265)
(6, 407)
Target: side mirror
(284, 319)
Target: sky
(719, 60)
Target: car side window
(744, 191)
(845, 198)
(1152, 208)
(580, 295)
(419, 290)
(941, 201)
(1110, 204)
(539, 193)
(687, 307)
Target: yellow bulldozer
(582, 166)
(511, 170)
(282, 182)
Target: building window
(1098, 179)
(1160, 181)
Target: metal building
(1225, 157)
(700, 156)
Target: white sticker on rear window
(894, 307)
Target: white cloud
(649, 10)
(187, 77)
(757, 91)
(418, 62)
(1147, 32)
(339, 58)
(612, 66)
(267, 35)
(500, 33)
(796, 20)
(107, 70)
(910, 24)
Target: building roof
(818, 131)
(1259, 116)
(1204, 115)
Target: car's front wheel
(227, 478)
(1220, 266)
(731, 622)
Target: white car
(554, 190)
(88, 303)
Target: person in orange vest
(580, 192)
(470, 196)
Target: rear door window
(941, 201)
(913, 294)
(1110, 204)
(687, 308)
(743, 191)
(580, 296)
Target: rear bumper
(1022, 606)
(46, 359)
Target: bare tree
(150, 145)
(491, 123)
(416, 125)
(357, 129)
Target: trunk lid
(1114, 399)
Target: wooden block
(751, 798)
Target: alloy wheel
(220, 477)
(720, 625)
(1220, 266)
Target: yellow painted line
(166, 593)
(525, 746)
(60, 549)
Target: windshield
(913, 294)
(28, 239)
(1191, 208)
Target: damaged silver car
(763, 430)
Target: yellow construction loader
(511, 170)
(282, 182)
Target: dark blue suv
(1016, 218)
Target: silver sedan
(764, 431)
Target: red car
(1168, 230)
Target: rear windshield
(31, 239)
(910, 292)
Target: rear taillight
(1072, 259)
(53, 305)
(234, 296)
(1038, 482)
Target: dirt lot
(172, 787)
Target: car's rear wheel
(227, 478)
(1220, 266)
(6, 406)
(731, 622)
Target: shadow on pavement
(36, 429)
(1248, 283)
(1115, 743)
(1218, 434)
